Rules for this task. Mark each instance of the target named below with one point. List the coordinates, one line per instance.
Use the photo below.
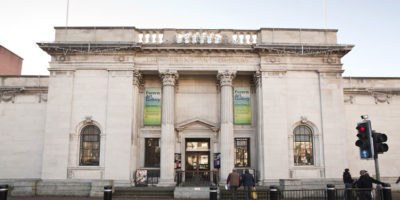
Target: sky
(373, 26)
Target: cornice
(65, 48)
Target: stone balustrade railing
(150, 36)
(196, 36)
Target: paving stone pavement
(74, 198)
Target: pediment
(196, 124)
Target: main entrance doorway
(197, 161)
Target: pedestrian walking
(248, 183)
(233, 181)
(348, 181)
(365, 185)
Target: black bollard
(3, 192)
(330, 191)
(108, 192)
(213, 192)
(273, 192)
(387, 192)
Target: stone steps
(144, 192)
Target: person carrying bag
(248, 183)
(254, 193)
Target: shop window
(90, 146)
(152, 152)
(303, 146)
(242, 152)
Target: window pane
(152, 152)
(90, 146)
(242, 153)
(197, 145)
(303, 146)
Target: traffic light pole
(378, 177)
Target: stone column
(137, 82)
(167, 129)
(226, 133)
(260, 150)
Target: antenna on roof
(66, 20)
(324, 5)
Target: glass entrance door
(197, 162)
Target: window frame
(86, 139)
(248, 152)
(310, 147)
(146, 161)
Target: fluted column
(167, 129)
(137, 81)
(260, 150)
(226, 133)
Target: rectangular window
(152, 152)
(242, 152)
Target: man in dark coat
(233, 181)
(347, 180)
(248, 183)
(365, 184)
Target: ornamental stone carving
(137, 78)
(169, 78)
(225, 77)
(382, 99)
(257, 78)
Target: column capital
(137, 78)
(169, 77)
(257, 78)
(226, 77)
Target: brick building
(10, 63)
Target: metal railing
(314, 194)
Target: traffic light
(379, 145)
(364, 141)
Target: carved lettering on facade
(193, 60)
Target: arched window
(303, 146)
(90, 146)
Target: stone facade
(99, 75)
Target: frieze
(153, 60)
(274, 74)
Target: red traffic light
(361, 128)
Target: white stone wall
(197, 97)
(21, 145)
(22, 124)
(99, 97)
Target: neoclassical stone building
(121, 101)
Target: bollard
(330, 191)
(273, 192)
(387, 192)
(108, 192)
(3, 192)
(213, 192)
